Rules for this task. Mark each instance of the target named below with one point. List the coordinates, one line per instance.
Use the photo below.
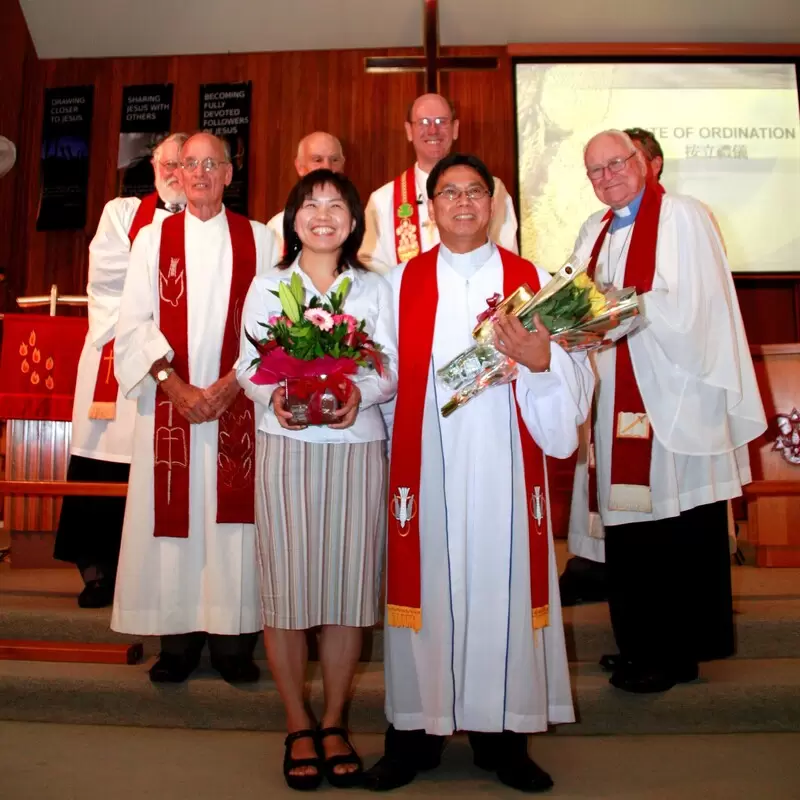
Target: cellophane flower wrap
(313, 349)
(570, 306)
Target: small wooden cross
(431, 63)
(110, 370)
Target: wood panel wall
(17, 56)
(293, 94)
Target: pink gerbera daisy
(319, 317)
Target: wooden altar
(773, 499)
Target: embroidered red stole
(407, 233)
(419, 297)
(104, 400)
(236, 437)
(632, 447)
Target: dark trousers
(669, 587)
(190, 645)
(90, 528)
(423, 750)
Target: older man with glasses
(102, 419)
(398, 224)
(187, 566)
(676, 405)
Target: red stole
(419, 297)
(405, 217)
(632, 447)
(104, 400)
(236, 438)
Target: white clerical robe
(208, 581)
(109, 254)
(275, 226)
(693, 368)
(379, 253)
(477, 664)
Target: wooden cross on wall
(431, 63)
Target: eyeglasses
(170, 165)
(613, 166)
(431, 122)
(473, 193)
(208, 164)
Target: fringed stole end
(103, 411)
(404, 617)
(540, 617)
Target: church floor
(73, 762)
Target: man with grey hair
(676, 405)
(187, 569)
(318, 150)
(90, 528)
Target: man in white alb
(474, 636)
(90, 528)
(399, 226)
(676, 405)
(187, 568)
(318, 150)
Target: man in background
(90, 528)
(318, 150)
(399, 226)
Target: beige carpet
(66, 762)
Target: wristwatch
(163, 374)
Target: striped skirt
(320, 524)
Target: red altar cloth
(39, 366)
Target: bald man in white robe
(318, 150)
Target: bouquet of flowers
(570, 306)
(312, 349)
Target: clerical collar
(467, 264)
(173, 208)
(422, 183)
(627, 215)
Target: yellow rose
(596, 300)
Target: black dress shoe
(525, 775)
(583, 581)
(406, 753)
(648, 680)
(172, 668)
(96, 594)
(390, 772)
(506, 754)
(236, 669)
(614, 661)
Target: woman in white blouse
(321, 490)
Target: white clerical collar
(171, 206)
(421, 178)
(467, 264)
(217, 219)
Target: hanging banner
(146, 118)
(64, 172)
(225, 112)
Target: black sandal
(302, 783)
(341, 780)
